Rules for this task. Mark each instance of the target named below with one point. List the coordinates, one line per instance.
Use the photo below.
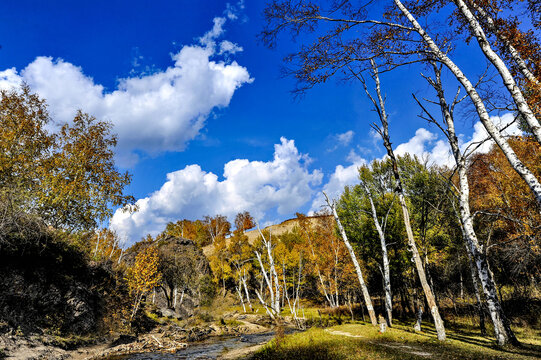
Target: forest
(414, 260)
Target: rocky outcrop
(51, 286)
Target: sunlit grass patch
(363, 341)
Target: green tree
(67, 178)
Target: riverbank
(363, 341)
(166, 338)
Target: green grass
(400, 342)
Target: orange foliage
(505, 201)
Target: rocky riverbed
(166, 341)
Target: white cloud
(345, 138)
(342, 176)
(284, 184)
(227, 47)
(341, 140)
(417, 144)
(427, 145)
(479, 142)
(152, 113)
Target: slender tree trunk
(508, 80)
(384, 132)
(269, 285)
(502, 329)
(524, 172)
(461, 286)
(364, 289)
(492, 27)
(243, 278)
(239, 293)
(480, 310)
(182, 297)
(386, 270)
(271, 278)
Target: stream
(207, 349)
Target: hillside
(276, 229)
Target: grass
(400, 342)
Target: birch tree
(364, 177)
(143, 276)
(241, 256)
(383, 131)
(364, 288)
(502, 329)
(396, 39)
(269, 274)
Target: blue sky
(190, 90)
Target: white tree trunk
(480, 310)
(523, 67)
(364, 289)
(386, 269)
(524, 172)
(239, 293)
(271, 278)
(508, 80)
(380, 106)
(243, 279)
(502, 330)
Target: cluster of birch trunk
(356, 39)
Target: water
(208, 349)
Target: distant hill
(276, 229)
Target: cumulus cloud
(417, 144)
(427, 145)
(152, 113)
(283, 184)
(480, 141)
(342, 176)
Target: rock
(168, 313)
(81, 318)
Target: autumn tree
(67, 178)
(218, 227)
(241, 259)
(244, 221)
(313, 242)
(143, 276)
(188, 229)
(219, 263)
(506, 215)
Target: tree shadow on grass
(476, 339)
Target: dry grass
(363, 341)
